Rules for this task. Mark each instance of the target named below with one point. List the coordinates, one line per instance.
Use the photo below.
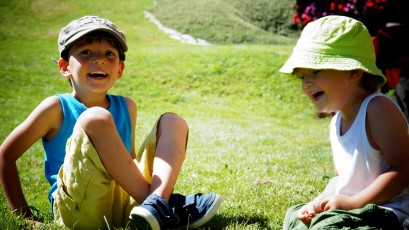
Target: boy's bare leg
(163, 209)
(99, 126)
(172, 134)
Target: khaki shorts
(87, 197)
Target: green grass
(254, 137)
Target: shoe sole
(139, 215)
(209, 214)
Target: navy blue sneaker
(192, 211)
(152, 214)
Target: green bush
(231, 21)
(272, 16)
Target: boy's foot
(151, 214)
(193, 210)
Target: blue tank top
(72, 109)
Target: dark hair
(98, 35)
(370, 82)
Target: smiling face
(93, 66)
(329, 90)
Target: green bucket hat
(334, 42)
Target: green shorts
(369, 217)
(87, 197)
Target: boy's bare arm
(45, 120)
(388, 131)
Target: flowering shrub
(374, 13)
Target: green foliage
(231, 21)
(272, 16)
(254, 137)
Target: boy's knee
(172, 125)
(95, 118)
(173, 120)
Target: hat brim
(310, 60)
(82, 33)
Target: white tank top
(357, 163)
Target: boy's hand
(309, 211)
(31, 214)
(341, 202)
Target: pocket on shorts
(64, 207)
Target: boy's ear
(64, 70)
(355, 74)
(121, 69)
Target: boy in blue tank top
(97, 178)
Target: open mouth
(98, 74)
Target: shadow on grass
(237, 222)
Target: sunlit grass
(254, 137)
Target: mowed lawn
(254, 137)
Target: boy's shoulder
(51, 102)
(378, 101)
(50, 107)
(130, 103)
(46, 118)
(383, 110)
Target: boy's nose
(98, 58)
(306, 83)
